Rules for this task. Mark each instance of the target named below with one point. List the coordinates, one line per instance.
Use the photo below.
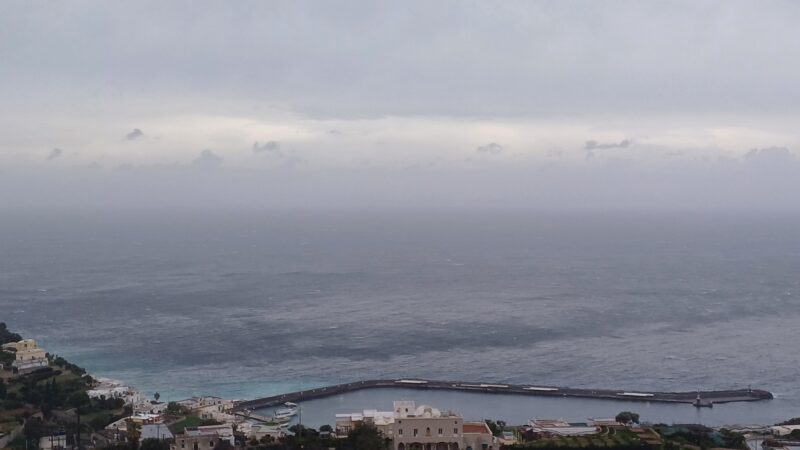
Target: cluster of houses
(151, 417)
(412, 427)
(107, 388)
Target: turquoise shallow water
(244, 304)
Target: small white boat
(285, 413)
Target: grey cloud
(492, 148)
(134, 135)
(335, 132)
(207, 160)
(770, 156)
(54, 153)
(594, 145)
(273, 147)
(584, 68)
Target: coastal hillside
(47, 397)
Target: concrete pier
(689, 398)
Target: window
(455, 431)
(440, 432)
(428, 432)
(400, 432)
(415, 432)
(211, 443)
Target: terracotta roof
(476, 428)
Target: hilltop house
(28, 356)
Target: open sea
(243, 304)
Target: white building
(783, 430)
(382, 420)
(210, 407)
(258, 431)
(139, 419)
(109, 389)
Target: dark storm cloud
(594, 145)
(207, 160)
(54, 153)
(273, 147)
(491, 148)
(134, 135)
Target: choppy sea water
(241, 304)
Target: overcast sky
(588, 104)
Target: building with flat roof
(559, 427)
(478, 436)
(426, 428)
(382, 420)
(203, 438)
(155, 431)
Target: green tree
(496, 428)
(221, 445)
(326, 428)
(3, 390)
(78, 399)
(156, 396)
(134, 432)
(627, 417)
(7, 336)
(175, 408)
(302, 430)
(366, 437)
(154, 444)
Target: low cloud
(770, 156)
(134, 135)
(207, 160)
(594, 145)
(492, 148)
(54, 153)
(273, 147)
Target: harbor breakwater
(707, 398)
